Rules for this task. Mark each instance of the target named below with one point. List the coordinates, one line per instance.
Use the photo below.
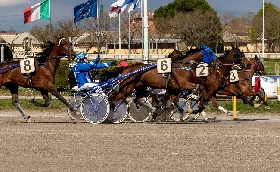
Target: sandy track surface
(53, 142)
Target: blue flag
(85, 10)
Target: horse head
(227, 60)
(65, 48)
(175, 55)
(234, 56)
(257, 66)
(238, 55)
(245, 63)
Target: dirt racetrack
(53, 142)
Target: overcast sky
(11, 11)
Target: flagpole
(262, 58)
(129, 35)
(146, 26)
(142, 36)
(98, 29)
(120, 48)
(50, 35)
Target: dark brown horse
(175, 83)
(219, 72)
(182, 77)
(42, 79)
(243, 87)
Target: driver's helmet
(80, 56)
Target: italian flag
(38, 11)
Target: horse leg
(246, 101)
(141, 100)
(261, 99)
(14, 92)
(200, 108)
(216, 105)
(199, 90)
(54, 92)
(161, 102)
(45, 95)
(124, 91)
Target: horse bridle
(259, 72)
(62, 47)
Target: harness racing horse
(219, 72)
(41, 79)
(218, 77)
(178, 80)
(243, 87)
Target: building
(20, 43)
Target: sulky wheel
(95, 108)
(138, 114)
(76, 103)
(119, 113)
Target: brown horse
(219, 72)
(177, 81)
(182, 77)
(243, 87)
(42, 79)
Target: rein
(11, 67)
(247, 70)
(227, 64)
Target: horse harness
(167, 76)
(38, 63)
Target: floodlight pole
(146, 32)
(98, 28)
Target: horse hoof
(256, 106)
(210, 119)
(190, 111)
(28, 119)
(230, 113)
(197, 115)
(185, 116)
(176, 116)
(191, 117)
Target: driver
(82, 71)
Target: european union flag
(85, 10)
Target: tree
(91, 25)
(271, 28)
(64, 28)
(181, 6)
(41, 33)
(193, 21)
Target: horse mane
(177, 53)
(193, 50)
(237, 57)
(43, 56)
(180, 56)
